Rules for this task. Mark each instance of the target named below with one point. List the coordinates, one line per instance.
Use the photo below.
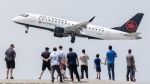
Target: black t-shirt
(45, 55)
(10, 52)
(72, 58)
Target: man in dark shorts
(10, 64)
(46, 63)
(72, 58)
(130, 66)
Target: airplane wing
(132, 34)
(80, 26)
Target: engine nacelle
(58, 32)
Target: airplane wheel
(26, 31)
(73, 39)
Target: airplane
(65, 28)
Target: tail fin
(132, 24)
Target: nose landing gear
(27, 26)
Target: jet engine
(58, 32)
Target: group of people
(57, 60)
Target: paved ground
(26, 81)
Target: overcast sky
(109, 13)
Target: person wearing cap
(10, 52)
(84, 64)
(46, 63)
(55, 60)
(110, 58)
(63, 61)
(130, 66)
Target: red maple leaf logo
(131, 26)
(40, 22)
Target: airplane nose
(15, 19)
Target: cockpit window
(24, 15)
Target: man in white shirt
(55, 60)
(63, 60)
(84, 64)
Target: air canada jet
(65, 28)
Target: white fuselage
(49, 23)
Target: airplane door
(32, 18)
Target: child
(134, 73)
(97, 65)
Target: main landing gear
(73, 38)
(27, 26)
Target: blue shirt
(97, 62)
(72, 58)
(111, 56)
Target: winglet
(91, 19)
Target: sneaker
(11, 77)
(6, 77)
(71, 82)
(52, 81)
(135, 80)
(39, 77)
(99, 78)
(61, 81)
(65, 77)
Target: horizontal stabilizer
(132, 34)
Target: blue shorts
(133, 73)
(98, 69)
